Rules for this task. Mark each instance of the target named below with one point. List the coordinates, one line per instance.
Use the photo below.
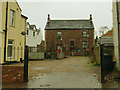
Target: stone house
(75, 37)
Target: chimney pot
(48, 17)
(90, 17)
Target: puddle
(44, 85)
(39, 68)
(39, 76)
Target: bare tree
(103, 30)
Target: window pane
(9, 51)
(84, 33)
(12, 20)
(10, 42)
(10, 47)
(11, 17)
(84, 44)
(59, 33)
(33, 33)
(72, 43)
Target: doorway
(71, 47)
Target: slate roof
(106, 40)
(69, 24)
(32, 27)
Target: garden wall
(12, 73)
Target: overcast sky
(37, 11)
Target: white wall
(33, 41)
(39, 38)
(30, 40)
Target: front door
(71, 47)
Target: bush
(96, 64)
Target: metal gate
(107, 64)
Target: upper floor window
(33, 33)
(71, 44)
(59, 34)
(12, 17)
(84, 34)
(84, 44)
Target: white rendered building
(33, 36)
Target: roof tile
(69, 24)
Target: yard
(71, 72)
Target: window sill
(84, 48)
(12, 25)
(9, 57)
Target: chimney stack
(90, 17)
(48, 17)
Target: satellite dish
(23, 33)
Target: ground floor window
(10, 48)
(84, 44)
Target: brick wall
(12, 73)
(67, 36)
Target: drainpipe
(6, 31)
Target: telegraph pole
(118, 21)
(6, 31)
(117, 3)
